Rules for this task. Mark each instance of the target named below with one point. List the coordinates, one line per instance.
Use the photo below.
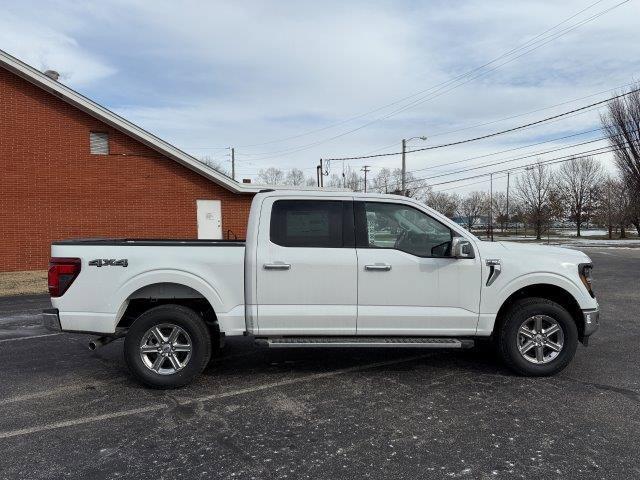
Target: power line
(342, 122)
(511, 117)
(494, 134)
(470, 184)
(491, 122)
(431, 167)
(535, 154)
(551, 161)
(430, 97)
(501, 162)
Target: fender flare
(537, 278)
(179, 277)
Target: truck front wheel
(167, 346)
(538, 337)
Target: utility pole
(233, 163)
(365, 169)
(403, 186)
(321, 174)
(508, 174)
(491, 205)
(404, 168)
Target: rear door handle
(380, 267)
(277, 266)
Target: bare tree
(516, 214)
(335, 181)
(534, 189)
(499, 209)
(577, 178)
(443, 202)
(271, 176)
(352, 180)
(311, 182)
(621, 124)
(390, 181)
(609, 212)
(472, 206)
(295, 177)
(383, 181)
(215, 164)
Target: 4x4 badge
(109, 262)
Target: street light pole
(403, 186)
(491, 205)
(404, 168)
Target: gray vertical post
(491, 205)
(404, 168)
(233, 163)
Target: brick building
(70, 168)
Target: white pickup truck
(324, 269)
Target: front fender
(493, 300)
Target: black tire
(507, 338)
(187, 320)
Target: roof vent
(52, 74)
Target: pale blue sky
(204, 75)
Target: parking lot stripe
(206, 398)
(29, 338)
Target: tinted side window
(307, 223)
(393, 225)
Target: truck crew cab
(324, 269)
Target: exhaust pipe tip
(102, 341)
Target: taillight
(62, 273)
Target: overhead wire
(445, 84)
(490, 135)
(408, 97)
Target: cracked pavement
(66, 412)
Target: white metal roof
(105, 115)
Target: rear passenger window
(307, 223)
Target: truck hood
(529, 250)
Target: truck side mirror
(461, 248)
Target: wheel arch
(163, 293)
(548, 291)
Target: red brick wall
(52, 188)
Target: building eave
(105, 115)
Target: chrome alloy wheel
(165, 349)
(540, 339)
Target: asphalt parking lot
(66, 412)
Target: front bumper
(591, 321)
(51, 320)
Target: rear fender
(178, 277)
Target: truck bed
(114, 272)
(152, 242)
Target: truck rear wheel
(538, 337)
(167, 346)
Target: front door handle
(277, 266)
(380, 267)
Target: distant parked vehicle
(324, 270)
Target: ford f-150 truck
(324, 269)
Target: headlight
(585, 269)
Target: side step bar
(364, 342)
